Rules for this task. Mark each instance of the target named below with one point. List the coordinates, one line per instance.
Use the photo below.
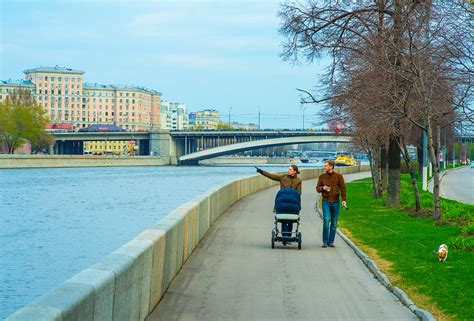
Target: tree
(224, 126)
(42, 142)
(393, 62)
(21, 120)
(196, 127)
(346, 31)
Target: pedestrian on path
(332, 186)
(288, 180)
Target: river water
(57, 222)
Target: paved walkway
(235, 275)
(458, 185)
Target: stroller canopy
(287, 201)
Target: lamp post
(258, 117)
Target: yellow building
(207, 119)
(67, 99)
(112, 147)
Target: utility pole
(258, 117)
(230, 109)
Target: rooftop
(88, 85)
(19, 82)
(54, 69)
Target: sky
(219, 54)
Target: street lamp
(303, 108)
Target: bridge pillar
(164, 145)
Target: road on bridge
(458, 185)
(235, 275)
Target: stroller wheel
(273, 239)
(299, 241)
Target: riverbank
(64, 161)
(402, 244)
(130, 282)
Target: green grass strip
(405, 243)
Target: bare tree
(392, 61)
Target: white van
(87, 152)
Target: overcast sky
(218, 54)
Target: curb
(379, 275)
(442, 174)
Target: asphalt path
(235, 275)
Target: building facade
(241, 126)
(66, 98)
(207, 119)
(174, 116)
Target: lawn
(403, 245)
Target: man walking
(331, 185)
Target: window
(66, 79)
(52, 78)
(59, 79)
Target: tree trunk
(383, 168)
(406, 157)
(378, 169)
(393, 188)
(419, 154)
(373, 172)
(434, 163)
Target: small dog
(442, 252)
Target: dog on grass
(442, 252)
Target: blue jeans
(330, 214)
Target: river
(57, 222)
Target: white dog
(442, 252)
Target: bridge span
(195, 157)
(189, 147)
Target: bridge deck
(235, 275)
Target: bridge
(293, 138)
(189, 147)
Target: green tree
(224, 126)
(42, 142)
(21, 120)
(196, 127)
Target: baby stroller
(287, 211)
